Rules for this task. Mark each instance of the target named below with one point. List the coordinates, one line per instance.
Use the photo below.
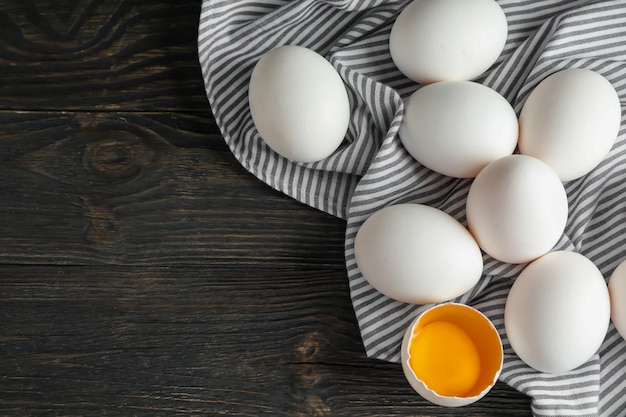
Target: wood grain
(209, 341)
(143, 271)
(97, 55)
(135, 189)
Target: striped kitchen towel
(372, 169)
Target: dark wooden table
(142, 270)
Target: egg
(617, 294)
(417, 254)
(570, 121)
(457, 127)
(444, 40)
(299, 103)
(557, 312)
(516, 208)
(451, 355)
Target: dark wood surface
(142, 270)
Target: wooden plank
(200, 341)
(105, 55)
(140, 189)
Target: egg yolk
(445, 358)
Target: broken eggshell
(479, 359)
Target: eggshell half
(456, 128)
(480, 332)
(299, 103)
(557, 312)
(570, 121)
(417, 254)
(443, 40)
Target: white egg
(557, 312)
(457, 127)
(617, 292)
(417, 254)
(570, 121)
(443, 40)
(299, 103)
(516, 209)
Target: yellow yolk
(445, 358)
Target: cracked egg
(452, 355)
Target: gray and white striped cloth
(372, 169)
